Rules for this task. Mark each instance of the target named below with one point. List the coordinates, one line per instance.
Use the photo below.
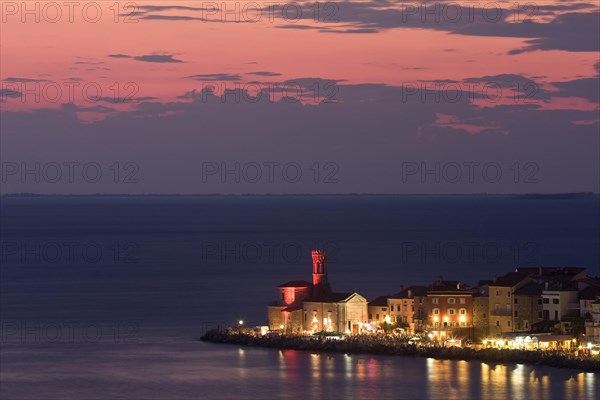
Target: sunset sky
(370, 87)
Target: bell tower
(320, 283)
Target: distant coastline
(534, 196)
(390, 347)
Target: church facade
(305, 307)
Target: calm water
(103, 297)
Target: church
(305, 307)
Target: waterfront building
(312, 307)
(286, 313)
(481, 310)
(449, 306)
(378, 310)
(592, 326)
(335, 312)
(501, 300)
(528, 306)
(408, 307)
(561, 303)
(589, 294)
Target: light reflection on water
(368, 377)
(179, 368)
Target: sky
(237, 97)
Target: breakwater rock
(392, 346)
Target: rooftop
(415, 291)
(511, 279)
(331, 297)
(590, 293)
(531, 289)
(380, 301)
(451, 287)
(554, 273)
(296, 284)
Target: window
(497, 323)
(554, 301)
(539, 301)
(508, 323)
(516, 301)
(451, 311)
(463, 311)
(436, 311)
(484, 315)
(451, 300)
(383, 308)
(526, 324)
(392, 307)
(496, 307)
(516, 314)
(546, 301)
(462, 300)
(508, 293)
(435, 300)
(497, 293)
(377, 317)
(412, 308)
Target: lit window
(463, 311)
(451, 311)
(462, 300)
(436, 311)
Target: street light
(241, 322)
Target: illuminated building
(312, 307)
(408, 306)
(378, 309)
(449, 306)
(501, 300)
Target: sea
(105, 297)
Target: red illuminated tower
(320, 284)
